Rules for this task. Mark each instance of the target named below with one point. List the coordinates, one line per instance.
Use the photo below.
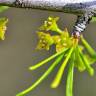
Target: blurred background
(17, 53)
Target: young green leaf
(90, 50)
(69, 85)
(86, 63)
(78, 61)
(46, 60)
(42, 77)
(60, 72)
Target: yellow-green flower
(45, 41)
(64, 41)
(51, 24)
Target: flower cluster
(3, 22)
(68, 49)
(61, 40)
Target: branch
(54, 5)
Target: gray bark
(67, 6)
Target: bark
(66, 6)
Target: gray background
(17, 53)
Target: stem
(58, 77)
(69, 85)
(46, 60)
(42, 77)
